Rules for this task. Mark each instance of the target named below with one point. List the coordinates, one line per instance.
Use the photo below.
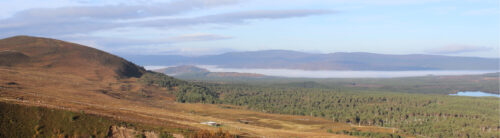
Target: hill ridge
(58, 55)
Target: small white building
(210, 123)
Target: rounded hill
(65, 57)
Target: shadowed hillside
(61, 56)
(11, 58)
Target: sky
(207, 27)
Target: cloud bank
(81, 23)
(87, 19)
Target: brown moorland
(56, 74)
(60, 56)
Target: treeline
(185, 91)
(196, 93)
(414, 114)
(425, 84)
(427, 115)
(161, 80)
(355, 132)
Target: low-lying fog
(335, 74)
(475, 94)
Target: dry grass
(126, 100)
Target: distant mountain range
(283, 59)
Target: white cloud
(110, 43)
(83, 19)
(86, 19)
(232, 17)
(120, 11)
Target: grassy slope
(61, 75)
(29, 121)
(61, 56)
(79, 90)
(25, 121)
(129, 101)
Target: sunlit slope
(66, 57)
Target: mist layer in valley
(295, 73)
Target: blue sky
(201, 27)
